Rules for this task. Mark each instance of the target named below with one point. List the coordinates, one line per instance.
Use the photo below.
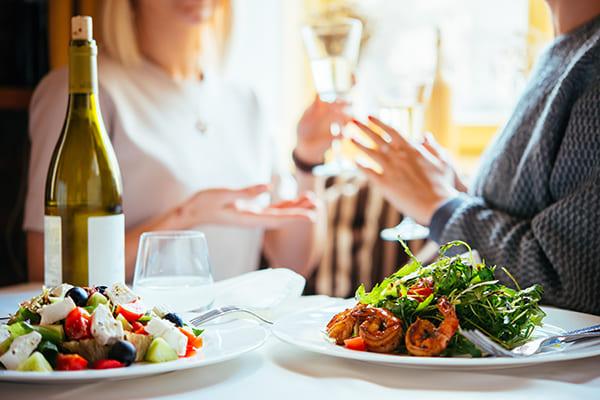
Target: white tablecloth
(280, 372)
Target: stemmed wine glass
(407, 116)
(402, 78)
(332, 46)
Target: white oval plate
(221, 343)
(306, 330)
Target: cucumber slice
(51, 333)
(49, 351)
(160, 351)
(35, 363)
(19, 329)
(96, 298)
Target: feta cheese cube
(169, 332)
(156, 326)
(60, 290)
(4, 333)
(176, 339)
(20, 349)
(160, 311)
(54, 312)
(121, 294)
(105, 328)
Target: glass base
(406, 230)
(335, 168)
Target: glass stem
(336, 145)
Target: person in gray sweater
(535, 204)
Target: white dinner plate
(222, 342)
(306, 330)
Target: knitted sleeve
(560, 246)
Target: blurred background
(477, 55)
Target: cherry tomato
(131, 311)
(356, 343)
(77, 324)
(70, 362)
(106, 364)
(421, 290)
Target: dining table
(278, 370)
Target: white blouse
(171, 139)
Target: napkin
(264, 291)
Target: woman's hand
(314, 135)
(414, 180)
(236, 207)
(436, 150)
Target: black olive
(174, 318)
(78, 295)
(123, 351)
(101, 290)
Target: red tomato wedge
(189, 351)
(138, 327)
(70, 362)
(356, 343)
(107, 364)
(78, 324)
(419, 293)
(131, 311)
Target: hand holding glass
(332, 47)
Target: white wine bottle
(84, 225)
(438, 115)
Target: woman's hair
(119, 38)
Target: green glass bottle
(84, 225)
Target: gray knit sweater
(535, 205)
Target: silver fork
(530, 348)
(217, 312)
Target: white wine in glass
(333, 47)
(403, 80)
(408, 118)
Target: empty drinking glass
(173, 269)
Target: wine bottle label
(106, 251)
(52, 251)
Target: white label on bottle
(106, 250)
(52, 251)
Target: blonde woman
(190, 145)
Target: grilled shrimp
(424, 339)
(341, 326)
(379, 328)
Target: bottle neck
(83, 70)
(83, 103)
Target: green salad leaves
(508, 316)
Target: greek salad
(68, 328)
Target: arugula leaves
(508, 316)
